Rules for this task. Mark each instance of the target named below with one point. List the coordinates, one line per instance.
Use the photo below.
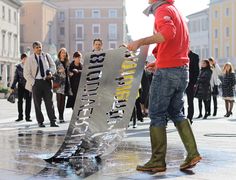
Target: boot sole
(151, 169)
(193, 163)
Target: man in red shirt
(169, 83)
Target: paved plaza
(24, 145)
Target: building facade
(9, 39)
(222, 32)
(79, 22)
(199, 33)
(38, 21)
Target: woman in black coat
(74, 73)
(203, 87)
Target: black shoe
(61, 121)
(53, 125)
(199, 116)
(28, 120)
(41, 125)
(19, 119)
(205, 116)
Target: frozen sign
(104, 103)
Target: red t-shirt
(173, 52)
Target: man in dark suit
(22, 92)
(193, 75)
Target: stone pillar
(4, 75)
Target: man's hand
(151, 67)
(133, 46)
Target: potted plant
(3, 92)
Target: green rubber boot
(189, 142)
(158, 144)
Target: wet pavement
(24, 146)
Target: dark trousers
(61, 98)
(206, 105)
(42, 89)
(214, 97)
(190, 99)
(24, 94)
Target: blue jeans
(166, 95)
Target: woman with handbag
(61, 81)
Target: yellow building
(222, 30)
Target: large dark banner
(105, 100)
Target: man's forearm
(156, 38)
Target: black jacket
(203, 86)
(193, 68)
(18, 77)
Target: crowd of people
(38, 76)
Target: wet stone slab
(22, 153)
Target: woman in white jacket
(215, 82)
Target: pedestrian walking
(21, 91)
(169, 82)
(228, 87)
(38, 74)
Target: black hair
(97, 40)
(23, 56)
(77, 54)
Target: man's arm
(27, 71)
(156, 38)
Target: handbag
(12, 98)
(55, 85)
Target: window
(96, 28)
(112, 45)
(112, 13)
(216, 14)
(227, 12)
(15, 17)
(22, 11)
(204, 24)
(112, 31)
(3, 12)
(79, 13)
(216, 53)
(9, 15)
(227, 31)
(79, 46)
(79, 31)
(216, 33)
(227, 51)
(62, 45)
(9, 44)
(62, 31)
(96, 13)
(16, 46)
(3, 42)
(62, 16)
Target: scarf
(152, 8)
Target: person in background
(193, 75)
(203, 87)
(169, 82)
(61, 76)
(22, 92)
(38, 74)
(97, 45)
(215, 82)
(228, 87)
(75, 69)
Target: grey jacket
(31, 66)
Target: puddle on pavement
(23, 153)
